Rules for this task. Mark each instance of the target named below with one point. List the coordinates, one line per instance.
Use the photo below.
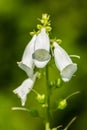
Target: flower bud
(39, 75)
(39, 26)
(62, 104)
(41, 98)
(48, 28)
(59, 83)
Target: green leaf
(41, 55)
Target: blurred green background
(69, 22)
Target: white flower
(42, 46)
(27, 62)
(63, 62)
(25, 88)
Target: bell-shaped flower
(27, 62)
(25, 88)
(41, 54)
(63, 62)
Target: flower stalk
(70, 123)
(48, 100)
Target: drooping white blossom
(42, 47)
(27, 62)
(25, 88)
(63, 62)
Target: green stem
(69, 124)
(77, 92)
(47, 126)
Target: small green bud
(56, 40)
(45, 16)
(59, 83)
(45, 23)
(48, 28)
(39, 26)
(39, 76)
(42, 21)
(52, 83)
(62, 104)
(59, 41)
(33, 33)
(44, 105)
(41, 98)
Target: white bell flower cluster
(37, 54)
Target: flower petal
(68, 71)
(28, 70)
(42, 40)
(41, 64)
(63, 62)
(42, 43)
(25, 88)
(61, 57)
(27, 61)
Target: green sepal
(41, 98)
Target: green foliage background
(69, 22)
